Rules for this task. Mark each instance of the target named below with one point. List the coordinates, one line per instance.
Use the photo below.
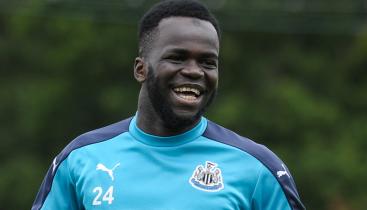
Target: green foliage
(289, 78)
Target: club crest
(208, 178)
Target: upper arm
(268, 193)
(57, 190)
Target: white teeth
(187, 89)
(188, 97)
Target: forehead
(186, 32)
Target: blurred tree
(292, 76)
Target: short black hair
(170, 8)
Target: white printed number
(108, 196)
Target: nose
(192, 70)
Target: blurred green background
(292, 76)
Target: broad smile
(188, 94)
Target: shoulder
(265, 156)
(93, 137)
(260, 152)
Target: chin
(187, 115)
(180, 119)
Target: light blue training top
(120, 167)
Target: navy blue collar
(167, 141)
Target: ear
(140, 70)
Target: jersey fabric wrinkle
(208, 167)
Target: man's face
(182, 69)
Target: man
(168, 156)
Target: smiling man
(168, 156)
(178, 71)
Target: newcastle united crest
(208, 178)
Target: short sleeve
(268, 194)
(57, 190)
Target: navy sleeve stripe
(89, 138)
(261, 153)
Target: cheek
(165, 69)
(212, 78)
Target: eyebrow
(185, 52)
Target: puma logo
(282, 173)
(54, 165)
(102, 167)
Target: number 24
(108, 196)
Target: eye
(175, 59)
(209, 63)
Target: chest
(169, 180)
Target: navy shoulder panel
(92, 137)
(264, 155)
(95, 136)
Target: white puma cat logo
(102, 167)
(54, 165)
(282, 173)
